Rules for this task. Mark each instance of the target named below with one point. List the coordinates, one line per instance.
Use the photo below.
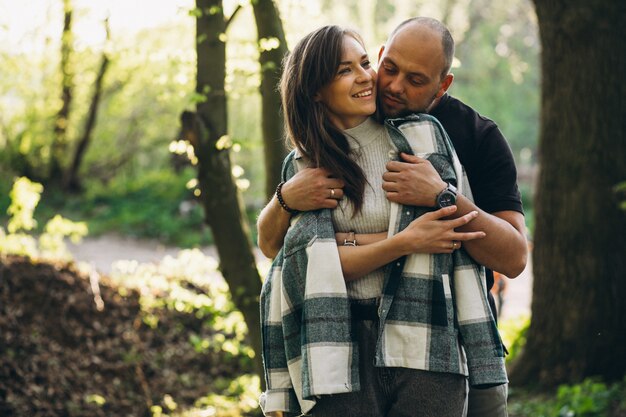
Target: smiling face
(351, 96)
(410, 71)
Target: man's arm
(309, 189)
(504, 249)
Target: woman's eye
(365, 64)
(344, 71)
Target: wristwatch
(447, 197)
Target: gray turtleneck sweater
(371, 147)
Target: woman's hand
(431, 233)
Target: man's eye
(416, 82)
(390, 70)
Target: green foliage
(25, 196)
(513, 333)
(620, 190)
(591, 398)
(157, 205)
(236, 397)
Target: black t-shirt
(486, 156)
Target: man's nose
(396, 86)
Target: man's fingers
(392, 176)
(413, 159)
(396, 166)
(330, 203)
(334, 183)
(392, 196)
(390, 187)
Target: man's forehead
(414, 47)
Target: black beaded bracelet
(279, 196)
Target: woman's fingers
(465, 236)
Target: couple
(370, 309)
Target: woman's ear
(317, 96)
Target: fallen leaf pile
(62, 356)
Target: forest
(160, 122)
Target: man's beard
(381, 114)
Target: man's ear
(445, 84)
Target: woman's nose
(364, 76)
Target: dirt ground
(102, 251)
(62, 356)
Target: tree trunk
(72, 180)
(59, 142)
(223, 208)
(578, 326)
(269, 26)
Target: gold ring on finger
(332, 193)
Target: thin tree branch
(232, 16)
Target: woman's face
(351, 96)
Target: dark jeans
(394, 392)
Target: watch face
(446, 199)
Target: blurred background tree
(578, 326)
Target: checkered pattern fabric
(433, 312)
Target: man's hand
(312, 189)
(414, 182)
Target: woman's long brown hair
(312, 65)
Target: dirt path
(102, 251)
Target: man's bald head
(417, 29)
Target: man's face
(409, 72)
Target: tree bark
(59, 142)
(72, 180)
(269, 26)
(220, 198)
(578, 326)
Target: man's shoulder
(463, 122)
(454, 107)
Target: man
(413, 76)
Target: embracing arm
(504, 248)
(272, 226)
(309, 189)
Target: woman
(363, 329)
